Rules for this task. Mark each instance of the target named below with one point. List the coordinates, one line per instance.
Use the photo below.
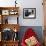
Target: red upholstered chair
(28, 34)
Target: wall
(27, 4)
(7, 3)
(39, 13)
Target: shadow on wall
(37, 29)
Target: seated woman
(30, 38)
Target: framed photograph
(5, 12)
(13, 12)
(29, 13)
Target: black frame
(29, 9)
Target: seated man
(30, 39)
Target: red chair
(29, 33)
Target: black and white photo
(29, 13)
